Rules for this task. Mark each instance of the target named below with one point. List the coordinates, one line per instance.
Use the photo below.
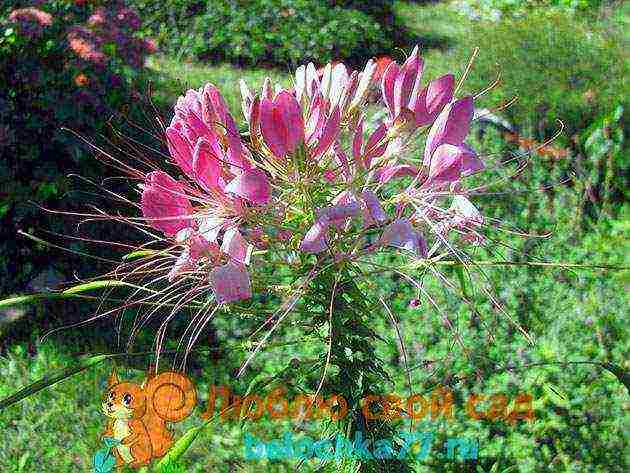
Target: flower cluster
(313, 175)
(31, 21)
(113, 25)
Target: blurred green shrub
(497, 9)
(67, 64)
(555, 65)
(270, 32)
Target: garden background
(106, 68)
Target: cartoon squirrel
(139, 414)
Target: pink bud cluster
(314, 148)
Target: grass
(575, 316)
(171, 77)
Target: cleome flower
(320, 179)
(309, 140)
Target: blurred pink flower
(31, 15)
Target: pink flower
(446, 154)
(230, 283)
(400, 234)
(315, 239)
(450, 163)
(451, 126)
(203, 114)
(84, 44)
(164, 203)
(401, 85)
(281, 124)
(31, 14)
(150, 46)
(375, 147)
(252, 185)
(433, 98)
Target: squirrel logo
(137, 430)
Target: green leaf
(138, 254)
(51, 379)
(66, 294)
(459, 270)
(179, 448)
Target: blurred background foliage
(103, 67)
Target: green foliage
(278, 32)
(573, 316)
(605, 169)
(497, 9)
(559, 52)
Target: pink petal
(451, 126)
(373, 211)
(210, 226)
(163, 200)
(357, 142)
(407, 80)
(387, 86)
(465, 211)
(439, 93)
(349, 90)
(236, 246)
(199, 247)
(315, 239)
(400, 234)
(316, 121)
(292, 115)
(340, 213)
(267, 93)
(206, 168)
(246, 99)
(329, 135)
(375, 153)
(399, 170)
(343, 161)
(375, 139)
(312, 82)
(180, 150)
(252, 185)
(330, 175)
(300, 82)
(254, 118)
(209, 114)
(273, 128)
(449, 163)
(230, 283)
(433, 99)
(182, 264)
(471, 163)
(415, 90)
(236, 158)
(446, 164)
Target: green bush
(496, 9)
(270, 32)
(556, 66)
(62, 64)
